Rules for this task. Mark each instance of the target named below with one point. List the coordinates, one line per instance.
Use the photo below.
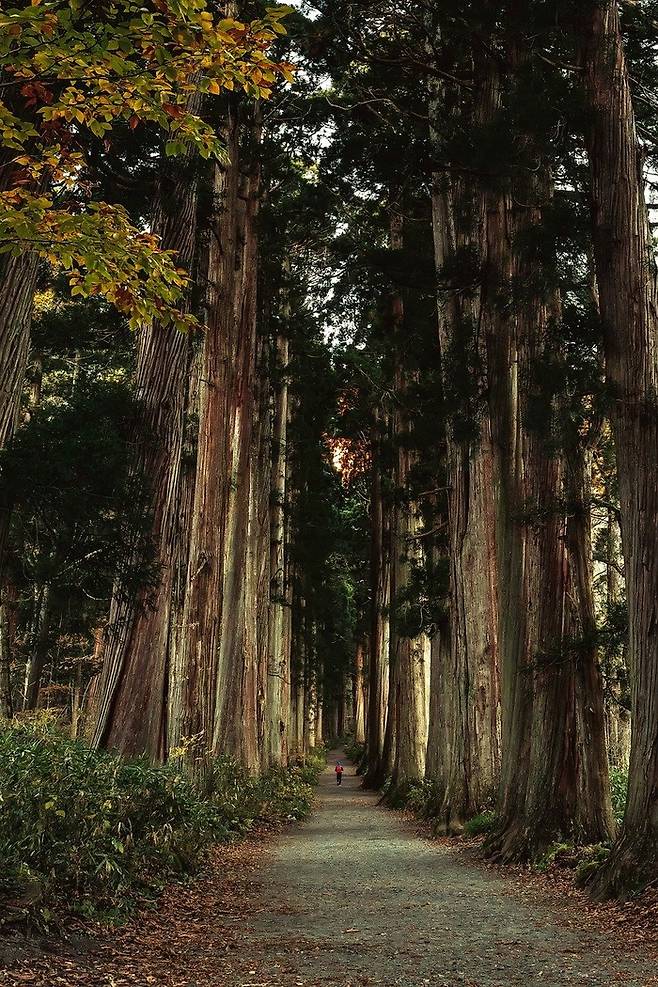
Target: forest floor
(352, 897)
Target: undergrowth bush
(93, 833)
(354, 749)
(618, 793)
(484, 822)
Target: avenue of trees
(329, 397)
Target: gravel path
(352, 897)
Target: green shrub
(564, 854)
(618, 793)
(484, 822)
(93, 832)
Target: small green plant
(484, 822)
(591, 859)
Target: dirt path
(352, 897)
(358, 899)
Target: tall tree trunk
(411, 646)
(499, 331)
(617, 713)
(359, 695)
(439, 732)
(412, 654)
(278, 672)
(6, 698)
(18, 278)
(259, 546)
(18, 281)
(39, 649)
(380, 576)
(134, 687)
(178, 725)
(467, 763)
(559, 695)
(298, 678)
(219, 698)
(628, 293)
(593, 807)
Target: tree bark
(134, 687)
(467, 762)
(499, 331)
(380, 575)
(278, 672)
(359, 695)
(411, 647)
(39, 650)
(593, 806)
(6, 697)
(220, 690)
(628, 294)
(547, 791)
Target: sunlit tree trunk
(178, 725)
(221, 682)
(628, 296)
(256, 610)
(359, 694)
(378, 652)
(298, 660)
(39, 647)
(617, 712)
(235, 723)
(439, 731)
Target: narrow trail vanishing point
(352, 897)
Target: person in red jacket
(339, 773)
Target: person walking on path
(339, 773)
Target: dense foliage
(89, 832)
